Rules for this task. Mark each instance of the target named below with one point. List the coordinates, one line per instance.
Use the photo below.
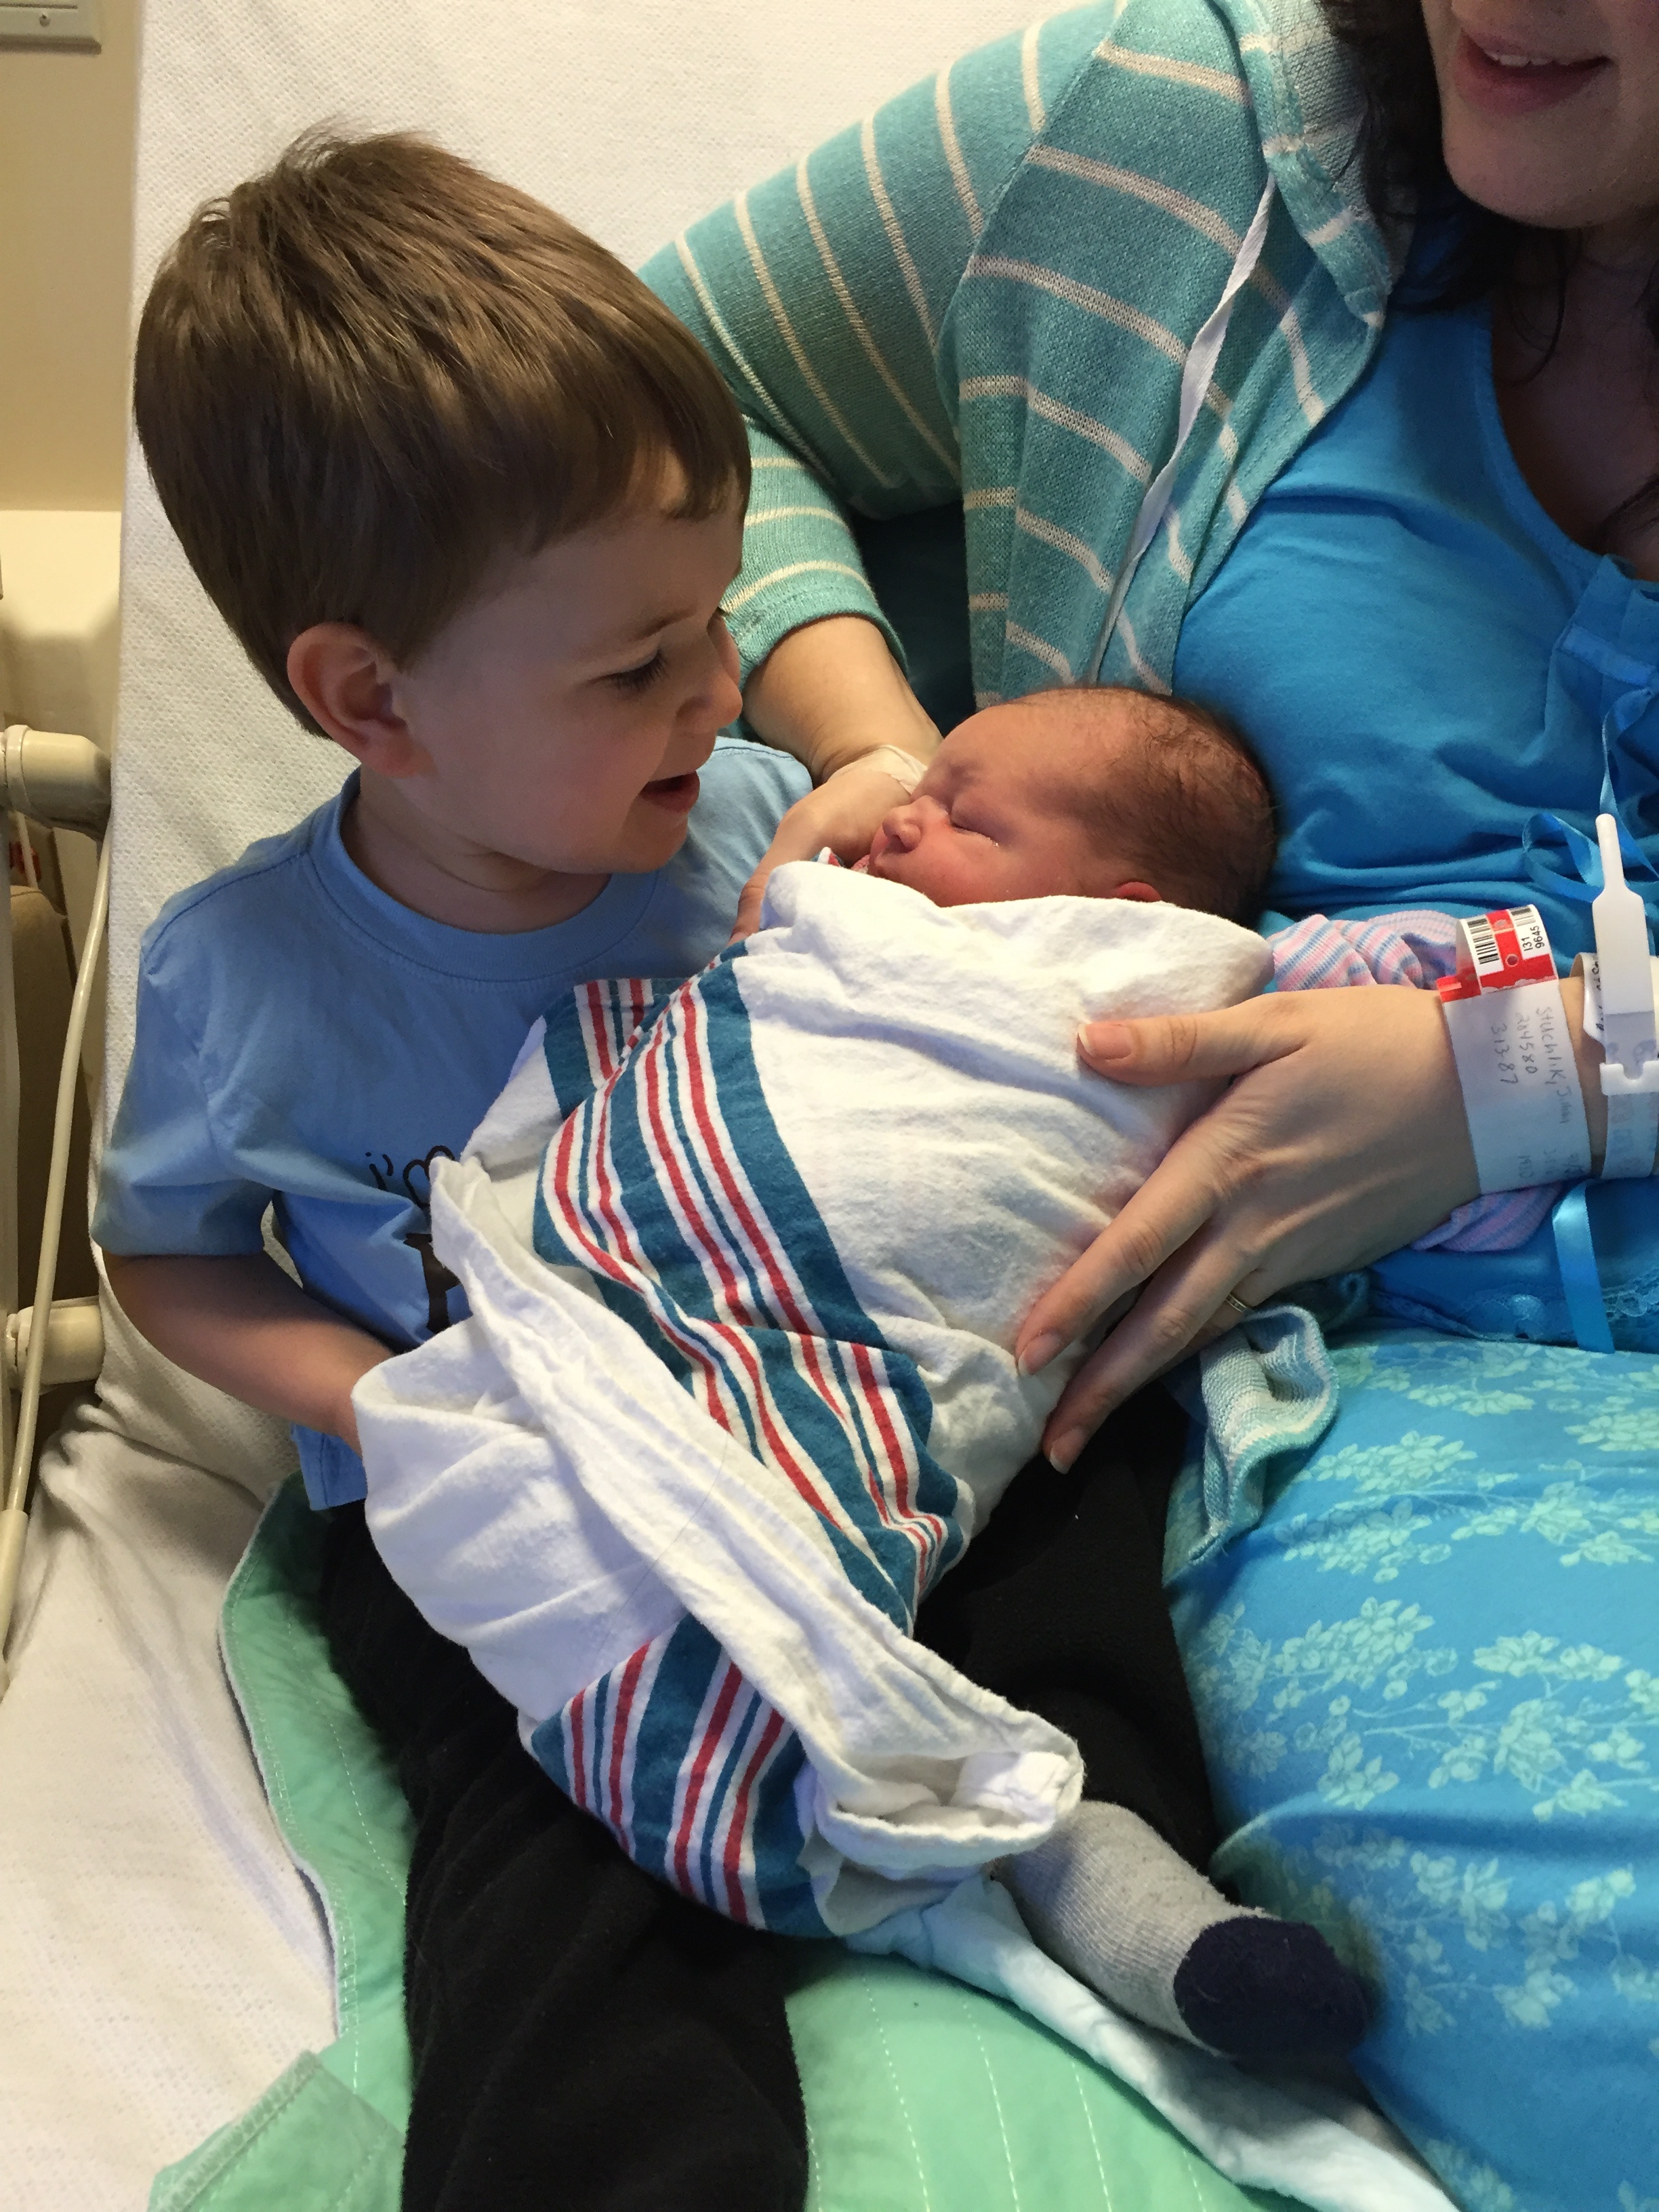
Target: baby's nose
(902, 827)
(907, 825)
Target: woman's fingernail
(1059, 1455)
(1105, 1040)
(1039, 1351)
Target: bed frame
(59, 781)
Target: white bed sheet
(160, 1961)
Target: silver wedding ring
(1238, 1305)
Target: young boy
(471, 498)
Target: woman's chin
(1548, 170)
(1528, 192)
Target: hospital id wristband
(1498, 951)
(1632, 1121)
(1513, 1048)
(1621, 987)
(892, 760)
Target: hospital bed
(162, 1959)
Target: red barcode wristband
(1514, 1052)
(1496, 951)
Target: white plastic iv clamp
(1624, 985)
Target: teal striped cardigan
(987, 291)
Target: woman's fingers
(1180, 1309)
(1341, 1137)
(1181, 1048)
(1170, 1208)
(1183, 1192)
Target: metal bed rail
(61, 781)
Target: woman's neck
(1580, 401)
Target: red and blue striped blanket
(745, 1258)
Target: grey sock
(1107, 1897)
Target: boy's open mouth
(679, 793)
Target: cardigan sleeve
(821, 295)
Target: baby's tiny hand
(843, 813)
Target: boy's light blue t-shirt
(305, 1042)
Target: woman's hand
(1342, 1138)
(829, 693)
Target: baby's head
(466, 492)
(1102, 793)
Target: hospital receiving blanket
(745, 1262)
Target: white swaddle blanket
(745, 1264)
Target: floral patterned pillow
(1429, 1685)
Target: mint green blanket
(920, 2093)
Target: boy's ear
(1137, 889)
(347, 684)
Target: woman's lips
(1516, 83)
(676, 794)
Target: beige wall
(66, 148)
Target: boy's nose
(718, 695)
(727, 698)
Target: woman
(1413, 546)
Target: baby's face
(998, 817)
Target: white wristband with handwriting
(1515, 1062)
(1513, 1053)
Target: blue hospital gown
(1429, 1679)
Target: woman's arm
(241, 1324)
(1342, 1137)
(822, 296)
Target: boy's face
(999, 816)
(560, 719)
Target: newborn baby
(1103, 794)
(745, 1258)
(1114, 793)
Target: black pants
(583, 2037)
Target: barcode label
(1483, 943)
(1496, 951)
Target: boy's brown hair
(366, 376)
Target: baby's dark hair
(1199, 818)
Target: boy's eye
(640, 678)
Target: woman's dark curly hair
(1403, 173)
(1402, 167)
